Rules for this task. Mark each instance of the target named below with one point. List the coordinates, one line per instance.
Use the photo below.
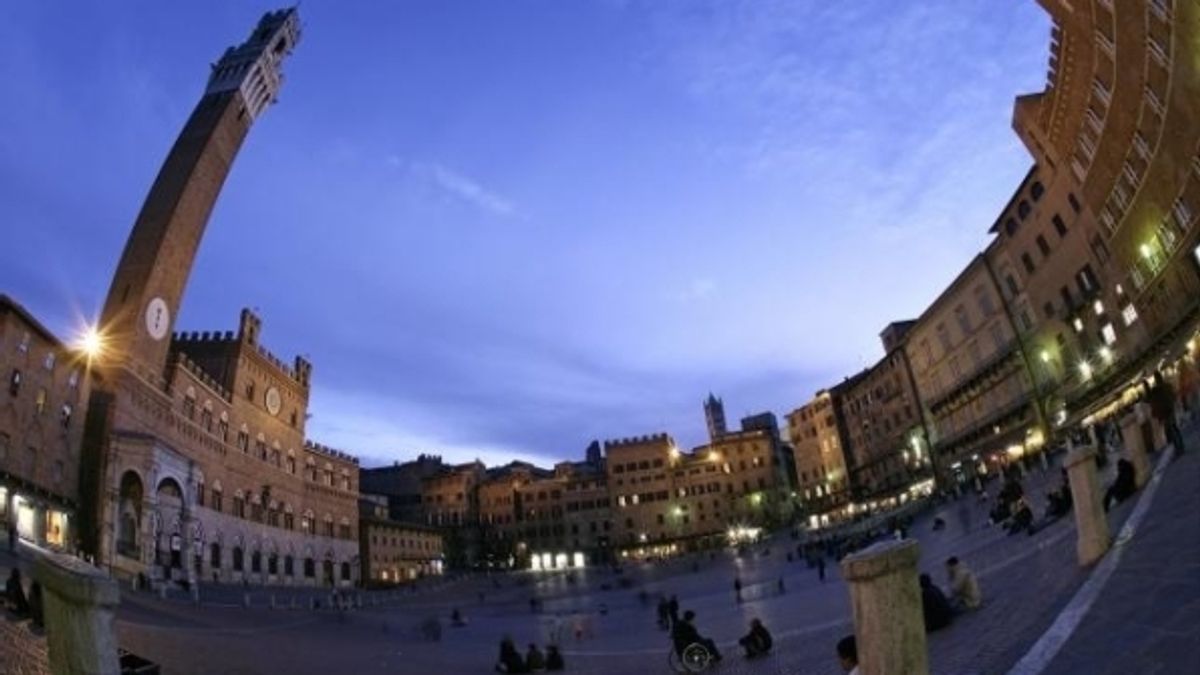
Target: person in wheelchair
(684, 634)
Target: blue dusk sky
(504, 229)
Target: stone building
(401, 483)
(822, 479)
(395, 552)
(886, 443)
(41, 424)
(451, 502)
(971, 377)
(198, 464)
(1117, 132)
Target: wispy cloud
(457, 185)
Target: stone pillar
(888, 619)
(1135, 447)
(1091, 522)
(78, 602)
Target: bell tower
(148, 286)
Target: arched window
(273, 564)
(1010, 227)
(345, 571)
(238, 563)
(1023, 209)
(291, 461)
(206, 417)
(214, 555)
(1036, 190)
(256, 562)
(288, 565)
(310, 568)
(223, 427)
(189, 403)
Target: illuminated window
(1108, 333)
(1129, 314)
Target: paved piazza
(1027, 581)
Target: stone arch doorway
(131, 496)
(169, 499)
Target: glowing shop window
(1108, 333)
(579, 560)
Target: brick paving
(1145, 620)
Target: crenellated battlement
(332, 453)
(184, 363)
(638, 440)
(203, 337)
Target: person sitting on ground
(1123, 486)
(15, 593)
(847, 651)
(36, 617)
(758, 641)
(534, 660)
(964, 587)
(510, 660)
(934, 605)
(938, 524)
(554, 659)
(1022, 517)
(684, 634)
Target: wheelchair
(694, 658)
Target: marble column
(79, 602)
(1091, 522)
(886, 600)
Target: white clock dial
(273, 401)
(158, 318)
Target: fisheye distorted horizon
(502, 230)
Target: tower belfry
(148, 286)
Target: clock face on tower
(273, 401)
(158, 318)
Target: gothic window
(243, 439)
(223, 428)
(189, 406)
(238, 562)
(206, 418)
(214, 555)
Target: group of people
(938, 609)
(534, 661)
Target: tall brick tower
(150, 279)
(132, 393)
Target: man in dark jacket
(934, 605)
(684, 634)
(1162, 406)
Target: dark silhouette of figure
(684, 634)
(534, 659)
(1123, 486)
(510, 660)
(554, 659)
(758, 641)
(934, 605)
(16, 593)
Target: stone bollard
(196, 594)
(246, 600)
(79, 602)
(272, 601)
(1090, 520)
(889, 624)
(1135, 448)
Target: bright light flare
(91, 343)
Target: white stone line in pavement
(1038, 658)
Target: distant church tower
(714, 414)
(147, 288)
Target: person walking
(737, 589)
(821, 567)
(1162, 406)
